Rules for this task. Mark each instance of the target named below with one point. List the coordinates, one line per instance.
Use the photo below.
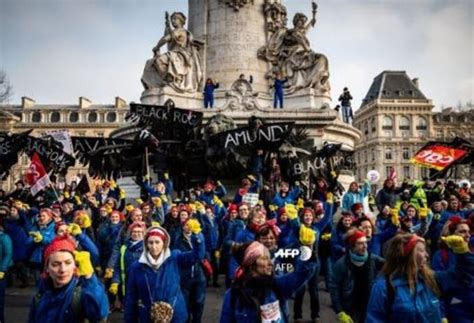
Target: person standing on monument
(278, 94)
(209, 88)
(345, 99)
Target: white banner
(64, 138)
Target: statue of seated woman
(180, 67)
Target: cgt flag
(438, 156)
(36, 175)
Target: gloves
(166, 176)
(74, 229)
(217, 201)
(84, 265)
(129, 208)
(163, 198)
(218, 183)
(109, 272)
(456, 243)
(146, 177)
(329, 197)
(217, 254)
(84, 221)
(77, 198)
(37, 237)
(113, 289)
(156, 201)
(2, 274)
(436, 216)
(122, 194)
(200, 207)
(113, 184)
(395, 219)
(344, 318)
(423, 213)
(108, 209)
(291, 211)
(307, 236)
(139, 201)
(299, 204)
(272, 207)
(326, 236)
(333, 174)
(252, 178)
(67, 195)
(194, 226)
(444, 320)
(192, 207)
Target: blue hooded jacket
(146, 285)
(53, 305)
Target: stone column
(233, 38)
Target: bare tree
(6, 89)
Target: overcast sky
(57, 50)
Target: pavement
(17, 302)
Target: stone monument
(244, 44)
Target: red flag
(36, 175)
(393, 174)
(438, 156)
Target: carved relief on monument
(241, 97)
(237, 4)
(290, 53)
(180, 67)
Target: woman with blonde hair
(408, 290)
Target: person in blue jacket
(40, 235)
(129, 253)
(208, 93)
(278, 85)
(153, 289)
(193, 279)
(338, 245)
(257, 295)
(14, 225)
(68, 292)
(5, 262)
(355, 195)
(286, 196)
(407, 290)
(211, 190)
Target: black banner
(51, 154)
(10, 146)
(165, 122)
(269, 136)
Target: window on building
(404, 126)
(447, 118)
(387, 126)
(55, 117)
(373, 124)
(365, 155)
(92, 117)
(422, 127)
(373, 154)
(388, 153)
(406, 172)
(406, 153)
(111, 117)
(366, 128)
(439, 133)
(387, 171)
(36, 117)
(74, 117)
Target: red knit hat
(232, 208)
(137, 224)
(454, 221)
(60, 243)
(357, 206)
(352, 238)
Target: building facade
(451, 123)
(84, 119)
(395, 120)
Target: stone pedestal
(184, 100)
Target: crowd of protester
(408, 257)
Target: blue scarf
(358, 259)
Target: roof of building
(393, 85)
